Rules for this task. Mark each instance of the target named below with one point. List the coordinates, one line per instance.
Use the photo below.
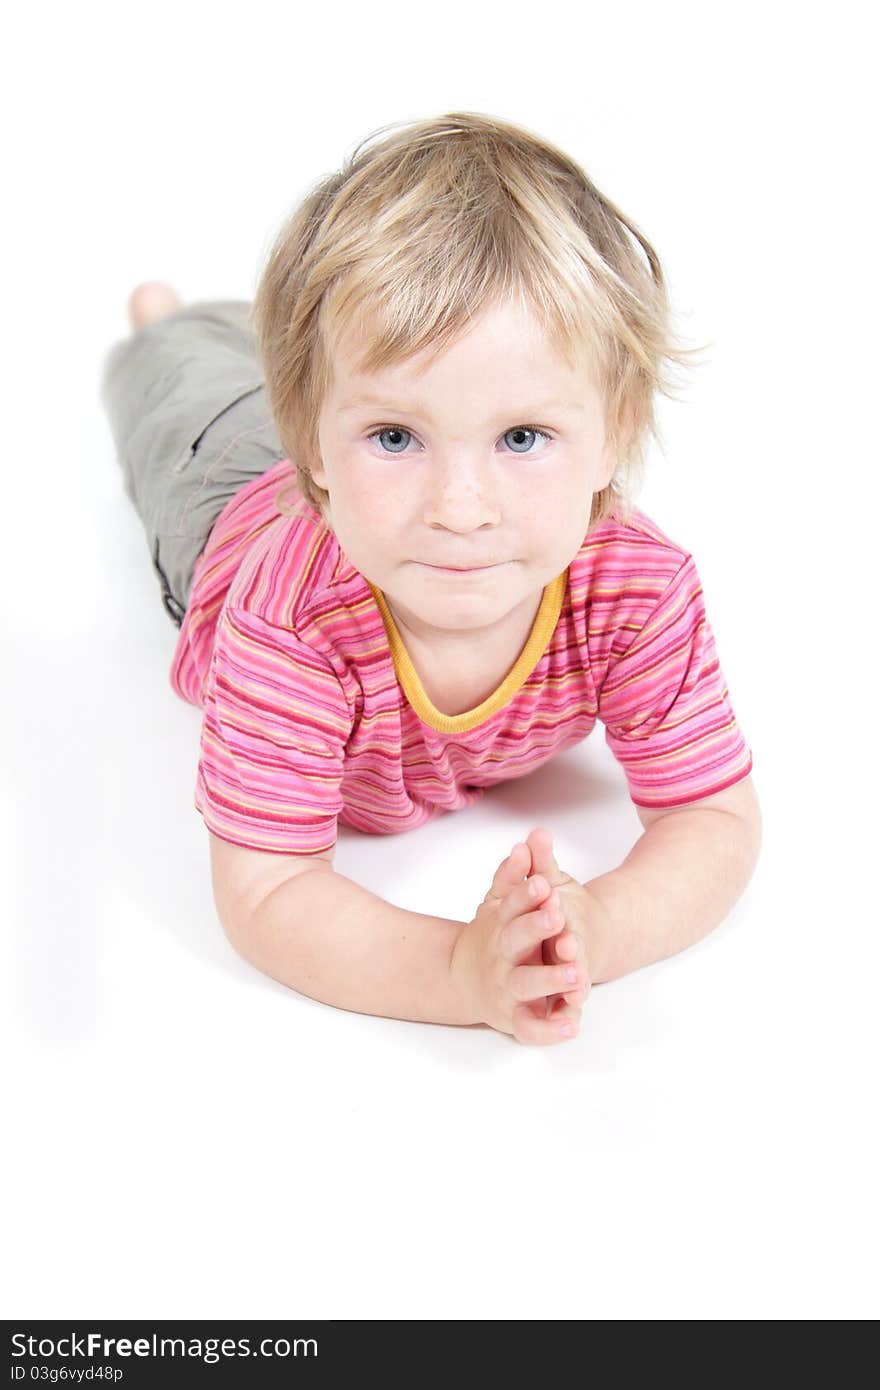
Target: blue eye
(398, 446)
(391, 429)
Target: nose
(462, 496)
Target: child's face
(453, 477)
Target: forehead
(505, 350)
(536, 409)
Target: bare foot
(151, 300)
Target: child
(390, 509)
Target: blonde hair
(419, 232)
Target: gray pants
(187, 409)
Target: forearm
(680, 879)
(327, 937)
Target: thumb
(540, 842)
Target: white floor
(187, 1138)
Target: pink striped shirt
(314, 713)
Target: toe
(152, 299)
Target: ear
(607, 465)
(312, 458)
(612, 452)
(318, 473)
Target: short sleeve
(275, 726)
(665, 705)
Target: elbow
(752, 833)
(259, 931)
(235, 932)
(756, 827)
(750, 825)
(240, 933)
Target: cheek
(367, 496)
(560, 500)
(363, 502)
(558, 515)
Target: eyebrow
(545, 408)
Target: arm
(678, 881)
(671, 726)
(326, 936)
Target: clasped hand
(523, 959)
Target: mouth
(447, 569)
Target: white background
(188, 1138)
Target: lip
(445, 569)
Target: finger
(551, 956)
(582, 992)
(578, 998)
(528, 982)
(540, 844)
(564, 1009)
(567, 948)
(510, 871)
(522, 898)
(567, 945)
(543, 1032)
(523, 931)
(518, 861)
